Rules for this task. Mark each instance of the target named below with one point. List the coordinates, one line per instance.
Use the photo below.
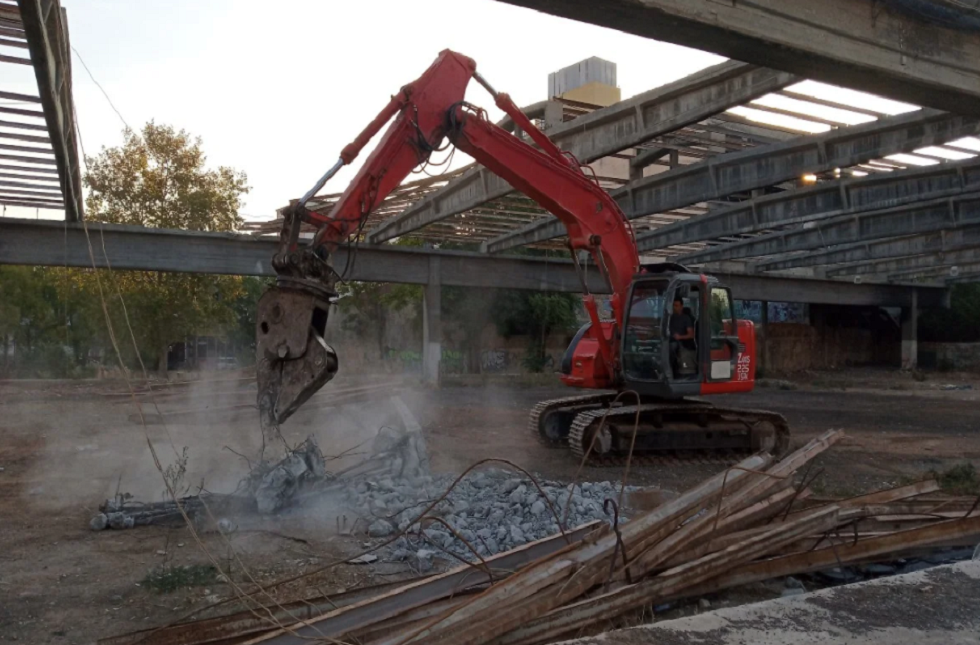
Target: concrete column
(432, 324)
(675, 158)
(764, 348)
(910, 334)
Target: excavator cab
(668, 299)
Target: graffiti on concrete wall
(493, 360)
(408, 360)
(452, 362)
(779, 312)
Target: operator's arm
(688, 329)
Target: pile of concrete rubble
(384, 494)
(486, 513)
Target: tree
(159, 178)
(537, 315)
(366, 305)
(958, 324)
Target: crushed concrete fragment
(367, 558)
(381, 528)
(304, 465)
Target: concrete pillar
(764, 348)
(432, 324)
(675, 158)
(910, 333)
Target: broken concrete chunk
(367, 558)
(381, 528)
(510, 485)
(120, 521)
(278, 486)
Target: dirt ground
(67, 446)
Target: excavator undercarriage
(691, 430)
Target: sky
(276, 89)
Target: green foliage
(961, 479)
(44, 333)
(516, 312)
(366, 304)
(167, 579)
(245, 306)
(51, 318)
(159, 179)
(536, 315)
(960, 323)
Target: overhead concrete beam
(601, 133)
(33, 242)
(822, 201)
(863, 44)
(763, 166)
(647, 157)
(946, 240)
(944, 272)
(46, 28)
(916, 264)
(964, 278)
(920, 217)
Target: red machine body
(425, 113)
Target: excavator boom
(293, 359)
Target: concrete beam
(965, 278)
(604, 132)
(936, 273)
(863, 44)
(920, 217)
(46, 28)
(33, 242)
(646, 157)
(724, 175)
(822, 201)
(916, 264)
(950, 239)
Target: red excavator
(673, 333)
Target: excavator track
(697, 432)
(542, 412)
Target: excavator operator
(681, 335)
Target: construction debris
(750, 523)
(301, 469)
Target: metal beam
(863, 44)
(949, 239)
(920, 217)
(822, 201)
(52, 243)
(766, 166)
(47, 37)
(604, 132)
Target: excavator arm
(294, 360)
